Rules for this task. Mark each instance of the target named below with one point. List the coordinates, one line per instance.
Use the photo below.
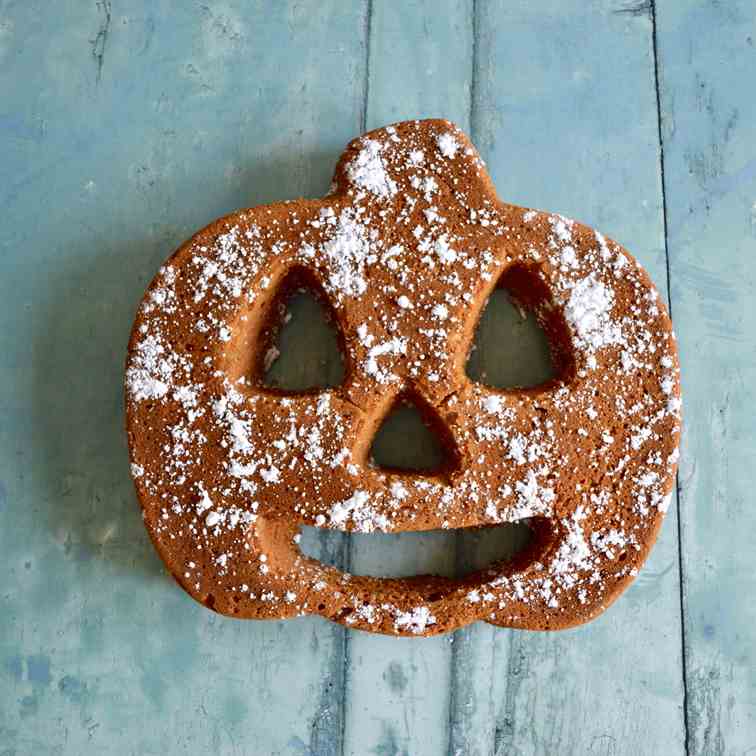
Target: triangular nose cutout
(412, 438)
(511, 349)
(301, 347)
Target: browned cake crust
(406, 248)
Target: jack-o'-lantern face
(405, 251)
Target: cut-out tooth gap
(412, 438)
(431, 552)
(301, 344)
(511, 348)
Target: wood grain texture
(707, 68)
(124, 127)
(558, 133)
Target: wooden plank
(124, 129)
(565, 115)
(398, 689)
(707, 65)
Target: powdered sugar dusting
(368, 172)
(357, 509)
(447, 145)
(346, 253)
(152, 370)
(416, 621)
(588, 311)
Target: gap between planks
(680, 575)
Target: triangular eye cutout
(511, 348)
(300, 347)
(413, 439)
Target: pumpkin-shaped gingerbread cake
(405, 250)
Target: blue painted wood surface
(125, 126)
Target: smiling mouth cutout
(451, 554)
(230, 463)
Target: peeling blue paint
(38, 669)
(395, 677)
(14, 666)
(72, 688)
(29, 706)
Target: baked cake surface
(405, 250)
